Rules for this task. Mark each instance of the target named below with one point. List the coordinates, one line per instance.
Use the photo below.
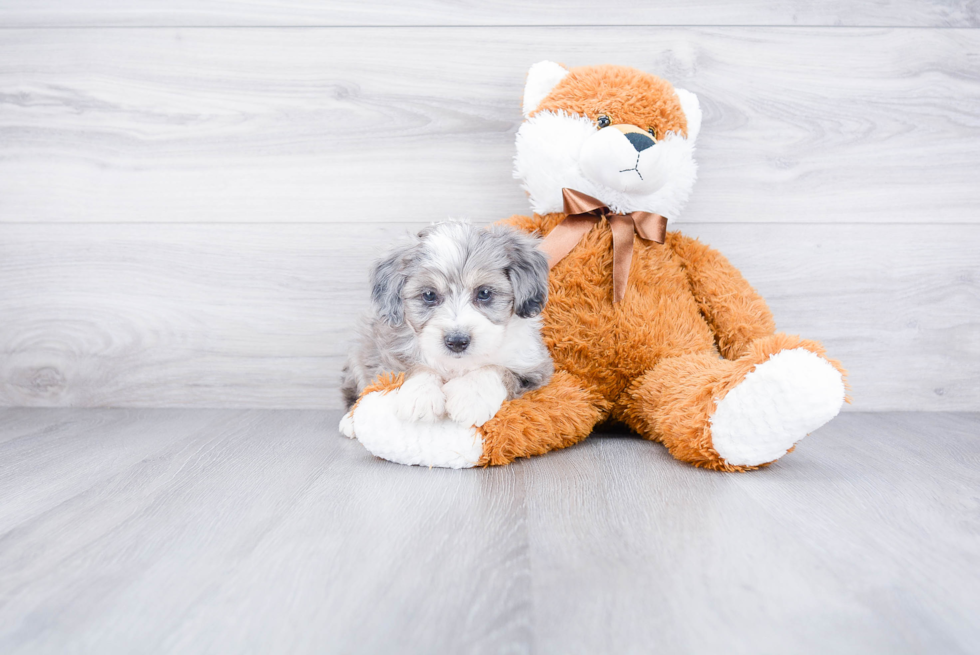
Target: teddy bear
(647, 328)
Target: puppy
(457, 310)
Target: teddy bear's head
(615, 133)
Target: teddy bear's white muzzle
(611, 159)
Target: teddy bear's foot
(778, 403)
(440, 443)
(736, 415)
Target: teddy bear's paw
(442, 443)
(421, 398)
(474, 398)
(782, 400)
(347, 425)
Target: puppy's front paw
(421, 398)
(474, 398)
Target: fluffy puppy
(457, 310)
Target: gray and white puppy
(457, 310)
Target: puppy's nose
(639, 140)
(457, 342)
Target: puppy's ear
(527, 270)
(387, 281)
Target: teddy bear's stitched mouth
(636, 167)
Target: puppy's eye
(653, 133)
(603, 121)
(484, 294)
(430, 297)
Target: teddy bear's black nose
(640, 141)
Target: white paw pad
(474, 398)
(782, 400)
(347, 425)
(442, 443)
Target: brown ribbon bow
(583, 212)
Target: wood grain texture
(222, 531)
(46, 13)
(261, 315)
(390, 124)
(262, 531)
(851, 544)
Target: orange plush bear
(648, 328)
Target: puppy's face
(459, 288)
(458, 313)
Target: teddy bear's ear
(542, 77)
(692, 111)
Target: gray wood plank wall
(48, 13)
(191, 193)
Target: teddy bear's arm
(736, 312)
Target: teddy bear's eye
(653, 133)
(603, 121)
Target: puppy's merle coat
(457, 310)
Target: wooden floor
(264, 531)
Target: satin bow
(582, 213)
